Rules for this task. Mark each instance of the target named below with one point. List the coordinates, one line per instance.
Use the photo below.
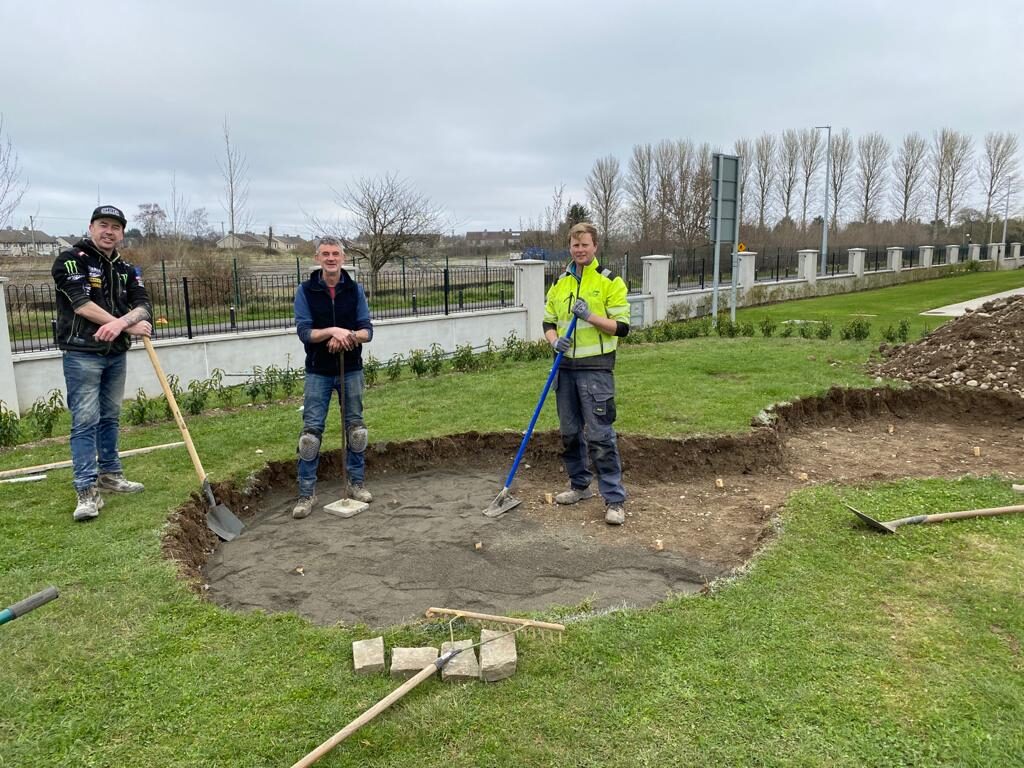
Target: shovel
(221, 520)
(890, 526)
(344, 507)
(30, 603)
(505, 501)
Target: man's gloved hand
(561, 344)
(581, 310)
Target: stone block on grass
(462, 668)
(497, 656)
(368, 656)
(406, 662)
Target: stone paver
(368, 656)
(406, 662)
(498, 657)
(463, 667)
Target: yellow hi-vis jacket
(605, 294)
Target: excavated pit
(424, 542)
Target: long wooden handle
(174, 409)
(434, 612)
(428, 671)
(988, 511)
(65, 464)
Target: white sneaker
(89, 505)
(573, 495)
(614, 514)
(303, 507)
(359, 493)
(115, 482)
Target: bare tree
(177, 211)
(391, 215)
(12, 188)
(152, 219)
(996, 166)
(604, 193)
(812, 152)
(640, 192)
(700, 196)
(955, 157)
(908, 172)
(765, 149)
(197, 224)
(744, 149)
(235, 171)
(684, 160)
(842, 160)
(666, 155)
(788, 163)
(872, 165)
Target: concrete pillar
(746, 272)
(974, 252)
(952, 254)
(993, 251)
(529, 286)
(857, 261)
(1014, 250)
(655, 283)
(894, 258)
(8, 386)
(807, 265)
(926, 255)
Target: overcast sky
(484, 106)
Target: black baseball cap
(109, 212)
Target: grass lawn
(840, 647)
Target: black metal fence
(185, 306)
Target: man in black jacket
(101, 303)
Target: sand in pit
(416, 545)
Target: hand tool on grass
(219, 518)
(30, 603)
(427, 672)
(67, 464)
(344, 507)
(505, 501)
(890, 526)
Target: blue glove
(581, 310)
(561, 344)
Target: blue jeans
(586, 412)
(95, 385)
(317, 395)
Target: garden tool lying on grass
(428, 671)
(504, 501)
(890, 526)
(219, 518)
(344, 507)
(28, 604)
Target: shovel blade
(502, 503)
(878, 525)
(223, 522)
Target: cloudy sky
(484, 106)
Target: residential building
(27, 242)
(506, 238)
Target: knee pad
(309, 444)
(358, 437)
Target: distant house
(506, 238)
(291, 243)
(66, 241)
(237, 240)
(27, 242)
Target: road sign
(742, 247)
(725, 194)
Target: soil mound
(981, 349)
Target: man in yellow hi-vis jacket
(585, 389)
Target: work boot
(303, 507)
(115, 483)
(573, 495)
(89, 504)
(359, 493)
(614, 514)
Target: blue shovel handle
(28, 604)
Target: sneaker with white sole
(115, 482)
(573, 495)
(359, 493)
(614, 514)
(303, 507)
(89, 504)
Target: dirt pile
(981, 349)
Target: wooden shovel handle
(174, 409)
(988, 511)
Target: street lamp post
(824, 218)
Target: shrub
(856, 330)
(137, 410)
(824, 330)
(394, 367)
(10, 426)
(46, 412)
(435, 360)
(195, 399)
(903, 331)
(418, 362)
(489, 357)
(371, 370)
(464, 360)
(728, 328)
(747, 329)
(787, 330)
(175, 387)
(290, 378)
(807, 331)
(767, 326)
